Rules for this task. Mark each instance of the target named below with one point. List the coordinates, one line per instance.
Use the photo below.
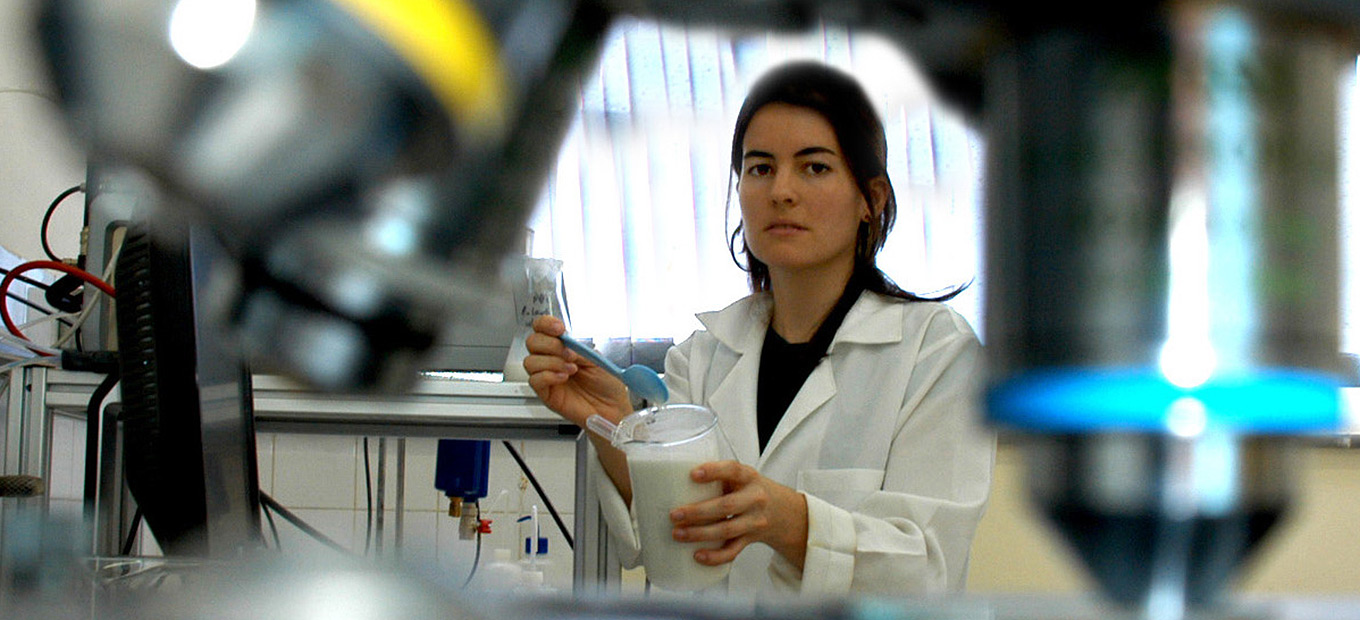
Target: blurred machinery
(1162, 265)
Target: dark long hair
(838, 98)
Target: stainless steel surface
(432, 408)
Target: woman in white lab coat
(861, 464)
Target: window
(636, 207)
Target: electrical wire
(26, 302)
(48, 315)
(47, 219)
(21, 353)
(101, 283)
(270, 504)
(269, 516)
(62, 317)
(368, 494)
(36, 360)
(43, 264)
(88, 310)
(26, 344)
(132, 532)
(524, 467)
(477, 555)
(30, 304)
(27, 280)
(11, 357)
(42, 350)
(94, 422)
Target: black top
(784, 367)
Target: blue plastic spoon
(641, 380)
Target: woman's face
(800, 206)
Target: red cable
(43, 264)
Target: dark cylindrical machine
(1163, 290)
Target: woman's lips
(784, 227)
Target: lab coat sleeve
(911, 537)
(617, 514)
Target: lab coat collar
(874, 319)
(740, 326)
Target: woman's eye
(758, 170)
(817, 168)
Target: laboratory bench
(435, 407)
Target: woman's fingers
(548, 363)
(543, 380)
(549, 325)
(539, 343)
(752, 508)
(739, 526)
(744, 500)
(739, 495)
(544, 340)
(723, 554)
(732, 473)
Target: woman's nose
(782, 189)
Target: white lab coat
(883, 439)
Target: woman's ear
(878, 197)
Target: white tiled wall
(66, 483)
(320, 478)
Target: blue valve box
(461, 467)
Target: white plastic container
(503, 574)
(662, 446)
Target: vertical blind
(641, 202)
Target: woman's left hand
(751, 509)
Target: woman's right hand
(567, 382)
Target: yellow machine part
(449, 46)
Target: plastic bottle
(503, 574)
(535, 560)
(532, 584)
